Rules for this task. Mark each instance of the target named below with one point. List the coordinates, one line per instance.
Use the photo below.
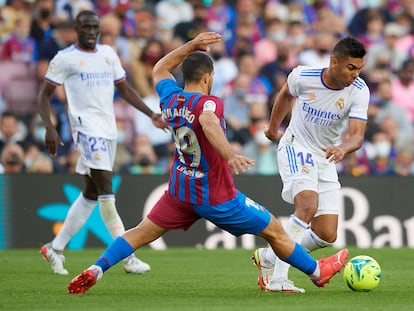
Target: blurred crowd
(262, 41)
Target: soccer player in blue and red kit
(201, 183)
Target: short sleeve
(56, 71)
(293, 81)
(361, 101)
(213, 104)
(118, 70)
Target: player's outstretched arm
(52, 138)
(132, 97)
(162, 69)
(215, 135)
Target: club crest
(340, 104)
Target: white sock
(110, 215)
(311, 241)
(295, 228)
(75, 219)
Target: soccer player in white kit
(324, 103)
(89, 73)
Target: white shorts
(94, 153)
(301, 170)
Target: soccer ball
(362, 273)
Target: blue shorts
(238, 216)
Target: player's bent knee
(326, 234)
(274, 231)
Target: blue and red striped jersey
(199, 175)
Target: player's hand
(273, 135)
(334, 154)
(239, 163)
(52, 141)
(201, 42)
(158, 121)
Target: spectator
(247, 25)
(260, 148)
(276, 9)
(172, 12)
(128, 25)
(20, 46)
(386, 53)
(403, 88)
(358, 24)
(258, 117)
(319, 53)
(137, 6)
(312, 10)
(69, 160)
(392, 55)
(35, 142)
(382, 163)
(187, 30)
(236, 110)
(357, 163)
(406, 42)
(104, 7)
(111, 25)
(123, 154)
(397, 138)
(43, 20)
(144, 159)
(220, 16)
(277, 71)
(145, 25)
(225, 68)
(12, 159)
(266, 49)
(42, 164)
(125, 116)
(259, 87)
(297, 37)
(141, 67)
(160, 140)
(404, 162)
(68, 9)
(62, 36)
(374, 33)
(12, 130)
(7, 20)
(332, 21)
(387, 108)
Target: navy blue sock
(118, 250)
(300, 259)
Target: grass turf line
(193, 279)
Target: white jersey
(320, 114)
(88, 79)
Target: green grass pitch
(193, 279)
